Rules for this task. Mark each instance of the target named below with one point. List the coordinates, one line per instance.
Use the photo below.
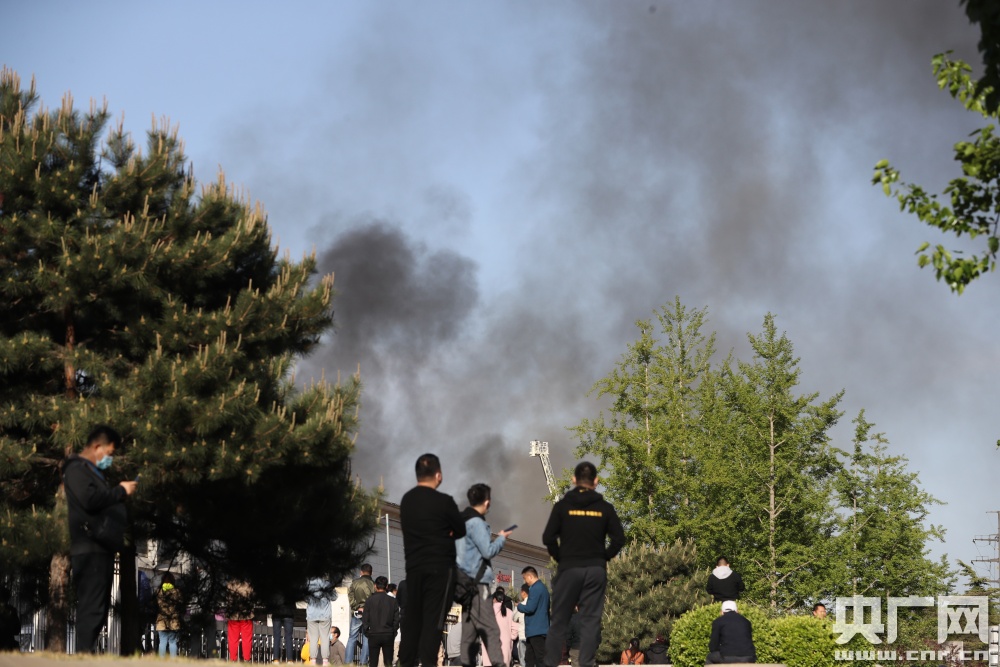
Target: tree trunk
(57, 611)
(772, 521)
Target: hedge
(795, 641)
(804, 641)
(691, 632)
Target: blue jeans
(168, 638)
(352, 640)
(277, 625)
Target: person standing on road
(319, 618)
(431, 523)
(357, 594)
(92, 502)
(474, 552)
(379, 623)
(168, 618)
(535, 607)
(583, 533)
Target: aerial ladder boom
(541, 450)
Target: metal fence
(210, 644)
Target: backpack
(466, 588)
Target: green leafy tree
(973, 199)
(986, 14)
(882, 542)
(132, 297)
(780, 468)
(652, 443)
(649, 587)
(734, 458)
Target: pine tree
(652, 444)
(131, 297)
(649, 587)
(780, 467)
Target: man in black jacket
(379, 622)
(724, 584)
(582, 535)
(92, 500)
(732, 638)
(431, 523)
(656, 654)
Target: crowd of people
(448, 556)
(582, 534)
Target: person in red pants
(239, 620)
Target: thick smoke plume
(719, 151)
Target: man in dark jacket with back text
(582, 535)
(91, 500)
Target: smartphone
(507, 530)
(137, 477)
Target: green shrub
(804, 641)
(648, 589)
(691, 632)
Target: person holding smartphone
(93, 501)
(472, 555)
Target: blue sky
(511, 185)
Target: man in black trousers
(379, 622)
(582, 535)
(92, 500)
(431, 523)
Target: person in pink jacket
(504, 610)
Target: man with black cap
(582, 535)
(732, 638)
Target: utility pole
(995, 539)
(541, 450)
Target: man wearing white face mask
(97, 521)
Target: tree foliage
(131, 296)
(780, 467)
(732, 455)
(986, 13)
(884, 531)
(973, 199)
(653, 441)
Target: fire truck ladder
(541, 450)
